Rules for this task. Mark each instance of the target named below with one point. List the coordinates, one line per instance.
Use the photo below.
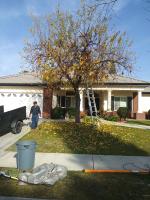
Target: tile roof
(31, 78)
(24, 78)
(125, 79)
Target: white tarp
(47, 174)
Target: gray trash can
(25, 154)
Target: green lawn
(81, 186)
(140, 122)
(68, 137)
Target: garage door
(15, 100)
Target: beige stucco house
(24, 88)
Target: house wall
(14, 97)
(145, 98)
(101, 93)
(145, 102)
(115, 93)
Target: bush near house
(58, 113)
(122, 112)
(61, 113)
(110, 116)
(113, 118)
(71, 112)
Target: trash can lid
(26, 143)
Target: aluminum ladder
(91, 102)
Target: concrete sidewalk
(133, 125)
(77, 162)
(125, 124)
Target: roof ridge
(8, 76)
(133, 78)
(20, 73)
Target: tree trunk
(77, 103)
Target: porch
(107, 99)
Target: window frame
(59, 101)
(125, 97)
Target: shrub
(148, 114)
(110, 116)
(113, 118)
(71, 112)
(58, 113)
(122, 112)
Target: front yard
(81, 186)
(84, 138)
(68, 137)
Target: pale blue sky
(129, 15)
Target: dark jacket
(35, 110)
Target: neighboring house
(24, 88)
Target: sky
(130, 16)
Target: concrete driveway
(9, 139)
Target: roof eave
(23, 84)
(141, 84)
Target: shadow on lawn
(87, 139)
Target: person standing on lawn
(36, 113)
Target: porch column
(109, 101)
(81, 101)
(139, 102)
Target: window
(61, 101)
(73, 102)
(120, 102)
(70, 102)
(66, 101)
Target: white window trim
(59, 105)
(119, 101)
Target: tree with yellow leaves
(77, 49)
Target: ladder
(91, 102)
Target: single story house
(24, 88)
